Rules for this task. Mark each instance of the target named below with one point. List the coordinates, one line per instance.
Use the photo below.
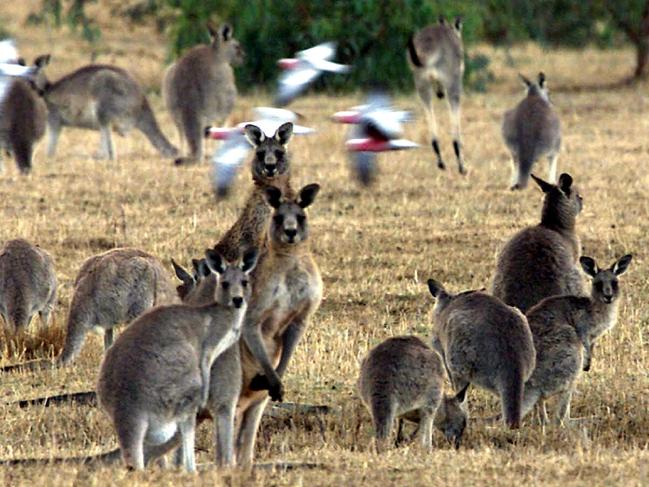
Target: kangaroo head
(536, 89)
(38, 80)
(451, 417)
(605, 281)
(233, 287)
(562, 202)
(225, 46)
(271, 158)
(289, 222)
(191, 282)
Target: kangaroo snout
(237, 302)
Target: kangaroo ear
(565, 182)
(589, 265)
(461, 394)
(249, 261)
(181, 273)
(283, 133)
(273, 197)
(254, 134)
(457, 23)
(441, 19)
(226, 32)
(541, 80)
(622, 265)
(525, 81)
(435, 287)
(201, 268)
(42, 60)
(214, 35)
(545, 187)
(307, 195)
(214, 261)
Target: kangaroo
(403, 378)
(541, 261)
(486, 343)
(436, 59)
(532, 130)
(565, 329)
(113, 288)
(199, 88)
(23, 119)
(270, 168)
(100, 97)
(27, 284)
(155, 377)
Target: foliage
(54, 13)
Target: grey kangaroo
(486, 343)
(532, 130)
(436, 58)
(541, 261)
(404, 378)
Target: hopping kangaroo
(113, 288)
(100, 97)
(156, 376)
(200, 88)
(565, 329)
(27, 284)
(23, 119)
(436, 58)
(486, 343)
(531, 130)
(404, 378)
(541, 261)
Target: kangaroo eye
(279, 219)
(244, 283)
(279, 154)
(301, 219)
(225, 285)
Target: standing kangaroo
(23, 119)
(404, 378)
(199, 88)
(486, 343)
(111, 289)
(436, 58)
(156, 376)
(531, 130)
(541, 261)
(565, 329)
(27, 284)
(100, 97)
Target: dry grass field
(375, 248)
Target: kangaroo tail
(512, 398)
(87, 397)
(148, 125)
(107, 458)
(29, 366)
(412, 52)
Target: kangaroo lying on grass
(403, 378)
(156, 376)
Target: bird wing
(226, 161)
(326, 50)
(324, 65)
(294, 82)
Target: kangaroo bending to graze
(199, 88)
(404, 378)
(436, 58)
(156, 376)
(27, 284)
(541, 261)
(24, 115)
(486, 343)
(532, 130)
(113, 288)
(100, 97)
(565, 329)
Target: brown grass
(375, 249)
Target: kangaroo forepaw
(259, 383)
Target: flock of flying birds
(376, 125)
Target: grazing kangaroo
(565, 329)
(436, 58)
(199, 88)
(270, 168)
(156, 376)
(531, 130)
(486, 343)
(403, 378)
(541, 261)
(113, 288)
(100, 97)
(27, 284)
(23, 119)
